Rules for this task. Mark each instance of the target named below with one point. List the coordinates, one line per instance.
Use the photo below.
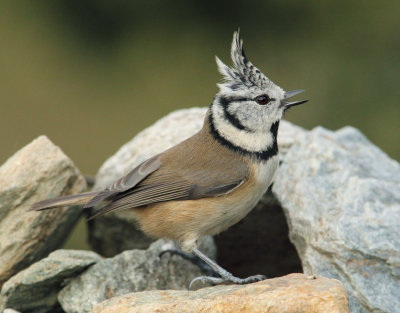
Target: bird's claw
(207, 279)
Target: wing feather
(164, 188)
(177, 174)
(128, 181)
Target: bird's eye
(264, 99)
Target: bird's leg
(194, 259)
(226, 277)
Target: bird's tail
(78, 199)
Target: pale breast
(236, 205)
(264, 172)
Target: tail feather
(78, 199)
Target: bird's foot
(204, 267)
(227, 279)
(224, 275)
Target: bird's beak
(289, 94)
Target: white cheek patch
(248, 116)
(256, 141)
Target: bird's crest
(243, 74)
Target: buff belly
(186, 221)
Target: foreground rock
(35, 289)
(134, 270)
(341, 196)
(38, 171)
(292, 293)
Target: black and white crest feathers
(243, 74)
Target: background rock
(292, 293)
(35, 289)
(133, 270)
(341, 197)
(38, 171)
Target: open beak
(290, 94)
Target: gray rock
(38, 171)
(341, 197)
(35, 289)
(134, 270)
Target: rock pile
(336, 194)
(35, 289)
(38, 171)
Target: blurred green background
(91, 74)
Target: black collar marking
(260, 155)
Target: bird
(212, 180)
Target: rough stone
(35, 289)
(341, 197)
(134, 270)
(38, 171)
(292, 293)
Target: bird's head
(246, 110)
(248, 95)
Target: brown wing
(167, 187)
(196, 168)
(128, 181)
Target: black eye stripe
(230, 117)
(225, 101)
(232, 99)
